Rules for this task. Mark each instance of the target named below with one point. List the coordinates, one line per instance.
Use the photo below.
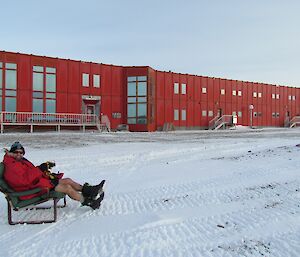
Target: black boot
(94, 204)
(92, 192)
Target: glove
(46, 166)
(51, 164)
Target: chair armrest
(27, 192)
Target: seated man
(20, 174)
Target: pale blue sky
(254, 40)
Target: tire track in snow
(189, 236)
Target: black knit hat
(17, 146)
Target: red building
(141, 97)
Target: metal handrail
(211, 123)
(294, 121)
(225, 119)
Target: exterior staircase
(294, 122)
(224, 121)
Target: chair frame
(32, 204)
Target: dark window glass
(96, 80)
(50, 82)
(37, 105)
(131, 120)
(142, 78)
(11, 79)
(38, 82)
(50, 106)
(142, 99)
(12, 66)
(131, 111)
(10, 104)
(38, 68)
(37, 94)
(142, 110)
(131, 89)
(142, 121)
(142, 88)
(131, 79)
(131, 99)
(50, 70)
(85, 79)
(10, 93)
(51, 95)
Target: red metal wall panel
(117, 81)
(161, 99)
(160, 82)
(190, 101)
(74, 77)
(106, 77)
(197, 93)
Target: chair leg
(11, 222)
(64, 205)
(9, 214)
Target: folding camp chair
(15, 203)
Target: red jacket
(23, 175)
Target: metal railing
(211, 123)
(48, 119)
(218, 122)
(295, 121)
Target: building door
(220, 112)
(90, 109)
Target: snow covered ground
(191, 193)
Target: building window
(273, 114)
(176, 88)
(44, 89)
(137, 100)
(290, 97)
(183, 114)
(204, 90)
(273, 96)
(96, 80)
(277, 96)
(210, 113)
(85, 80)
(222, 91)
(259, 95)
(8, 90)
(176, 114)
(277, 114)
(255, 114)
(294, 98)
(233, 113)
(233, 92)
(239, 93)
(239, 114)
(183, 89)
(254, 94)
(204, 113)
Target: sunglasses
(20, 152)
